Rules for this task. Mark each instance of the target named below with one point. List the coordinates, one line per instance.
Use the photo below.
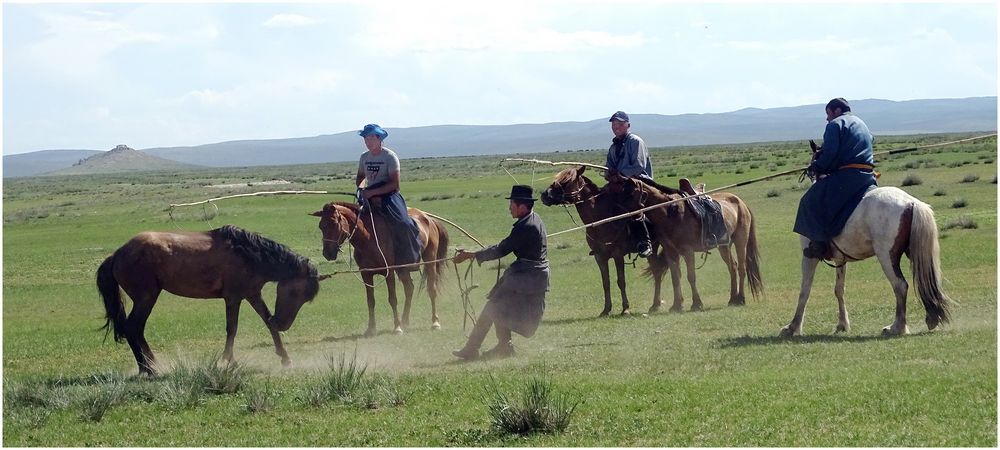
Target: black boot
(816, 250)
(641, 233)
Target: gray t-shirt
(378, 167)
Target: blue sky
(91, 76)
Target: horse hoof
(626, 312)
(654, 309)
(435, 326)
(677, 309)
(889, 331)
(398, 330)
(737, 303)
(932, 322)
(370, 332)
(697, 308)
(788, 332)
(285, 362)
(604, 313)
(841, 328)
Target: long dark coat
(520, 293)
(826, 206)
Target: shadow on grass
(635, 314)
(749, 341)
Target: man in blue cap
(379, 167)
(628, 157)
(845, 171)
(517, 301)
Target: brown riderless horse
(608, 241)
(679, 232)
(228, 263)
(369, 235)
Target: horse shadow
(751, 341)
(634, 315)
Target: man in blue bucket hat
(379, 168)
(517, 301)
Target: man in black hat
(517, 301)
(628, 157)
(845, 171)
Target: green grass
(716, 378)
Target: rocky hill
(121, 159)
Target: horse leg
(431, 275)
(232, 321)
(735, 291)
(657, 266)
(794, 328)
(135, 329)
(843, 323)
(369, 279)
(673, 262)
(890, 266)
(696, 304)
(258, 305)
(407, 280)
(602, 264)
(620, 272)
(390, 284)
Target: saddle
(709, 213)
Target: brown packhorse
(608, 241)
(679, 232)
(369, 235)
(227, 263)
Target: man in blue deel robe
(845, 171)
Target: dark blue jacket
(826, 206)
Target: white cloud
(288, 87)
(443, 26)
(289, 21)
(79, 44)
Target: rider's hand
(462, 256)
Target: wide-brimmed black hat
(521, 192)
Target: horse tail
(753, 260)
(657, 266)
(434, 282)
(924, 253)
(114, 309)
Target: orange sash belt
(862, 167)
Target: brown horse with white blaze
(228, 263)
(368, 233)
(607, 242)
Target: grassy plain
(720, 377)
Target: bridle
(347, 236)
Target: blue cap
(620, 116)
(373, 129)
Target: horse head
(566, 188)
(291, 295)
(335, 229)
(815, 151)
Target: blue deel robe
(826, 206)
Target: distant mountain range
(884, 117)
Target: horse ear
(581, 170)
(323, 277)
(317, 214)
(812, 144)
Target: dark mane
(662, 188)
(264, 255)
